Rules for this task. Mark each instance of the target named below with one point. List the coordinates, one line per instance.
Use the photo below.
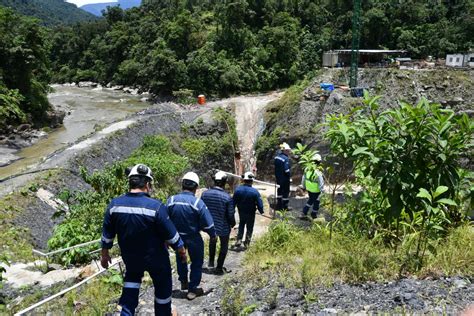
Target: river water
(90, 111)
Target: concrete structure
(371, 57)
(460, 60)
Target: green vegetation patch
(50, 12)
(306, 258)
(24, 75)
(287, 105)
(83, 222)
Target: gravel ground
(430, 296)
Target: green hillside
(51, 12)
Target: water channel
(91, 109)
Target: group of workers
(146, 227)
(312, 182)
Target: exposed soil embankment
(297, 120)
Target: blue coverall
(282, 175)
(142, 226)
(221, 207)
(190, 215)
(247, 200)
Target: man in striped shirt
(143, 227)
(222, 210)
(190, 215)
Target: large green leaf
(423, 193)
(359, 150)
(447, 202)
(440, 190)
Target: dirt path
(210, 282)
(249, 119)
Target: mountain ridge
(50, 12)
(97, 8)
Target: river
(90, 111)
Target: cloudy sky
(82, 2)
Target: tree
(24, 64)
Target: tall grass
(304, 258)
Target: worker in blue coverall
(220, 204)
(283, 176)
(190, 215)
(143, 229)
(247, 200)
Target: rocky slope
(297, 121)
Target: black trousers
(283, 192)
(222, 252)
(246, 221)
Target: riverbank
(88, 111)
(15, 138)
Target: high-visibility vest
(311, 182)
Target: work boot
(304, 217)
(246, 244)
(192, 294)
(238, 243)
(221, 271)
(314, 215)
(184, 285)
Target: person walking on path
(313, 182)
(248, 200)
(190, 215)
(222, 210)
(283, 176)
(143, 229)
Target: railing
(254, 180)
(52, 297)
(42, 254)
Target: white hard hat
(191, 176)
(141, 170)
(285, 146)
(249, 176)
(220, 175)
(316, 157)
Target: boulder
(23, 127)
(55, 117)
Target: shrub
(407, 160)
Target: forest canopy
(24, 70)
(223, 47)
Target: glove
(182, 254)
(105, 259)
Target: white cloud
(83, 2)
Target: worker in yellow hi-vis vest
(313, 182)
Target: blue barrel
(326, 86)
